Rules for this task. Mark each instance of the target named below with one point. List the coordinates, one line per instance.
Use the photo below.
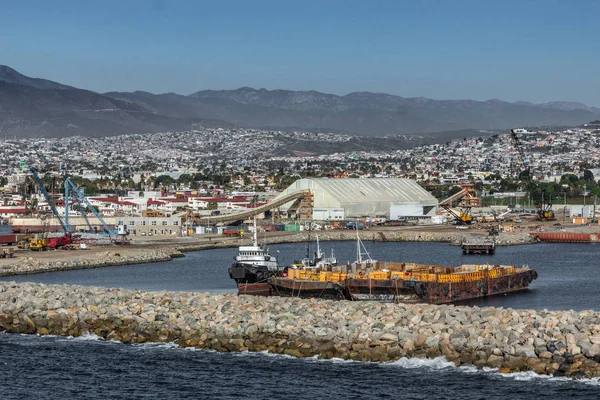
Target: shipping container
(292, 228)
(269, 228)
(9, 240)
(563, 237)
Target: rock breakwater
(30, 265)
(547, 342)
(456, 239)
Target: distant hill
(379, 113)
(39, 107)
(9, 75)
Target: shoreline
(559, 343)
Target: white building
(338, 199)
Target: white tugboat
(253, 267)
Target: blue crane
(34, 173)
(80, 198)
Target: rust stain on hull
(437, 290)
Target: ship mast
(255, 236)
(318, 248)
(359, 250)
(308, 243)
(358, 253)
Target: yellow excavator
(38, 244)
(544, 211)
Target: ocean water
(34, 367)
(569, 274)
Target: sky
(535, 51)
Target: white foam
(157, 345)
(438, 363)
(532, 376)
(88, 337)
(335, 360)
(266, 353)
(432, 363)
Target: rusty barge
(367, 279)
(403, 282)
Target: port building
(339, 199)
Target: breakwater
(453, 238)
(29, 265)
(547, 342)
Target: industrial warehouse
(339, 199)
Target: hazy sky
(512, 50)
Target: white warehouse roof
(360, 196)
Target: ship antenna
(358, 253)
(255, 236)
(308, 242)
(318, 247)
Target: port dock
(478, 245)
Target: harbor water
(569, 275)
(56, 367)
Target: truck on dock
(355, 225)
(7, 253)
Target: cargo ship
(398, 282)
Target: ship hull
(307, 289)
(398, 291)
(255, 289)
(401, 291)
(253, 279)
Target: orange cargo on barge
(403, 282)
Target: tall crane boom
(521, 154)
(34, 173)
(544, 208)
(71, 188)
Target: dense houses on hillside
(220, 169)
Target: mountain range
(33, 107)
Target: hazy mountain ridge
(36, 107)
(9, 75)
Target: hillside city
(236, 168)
